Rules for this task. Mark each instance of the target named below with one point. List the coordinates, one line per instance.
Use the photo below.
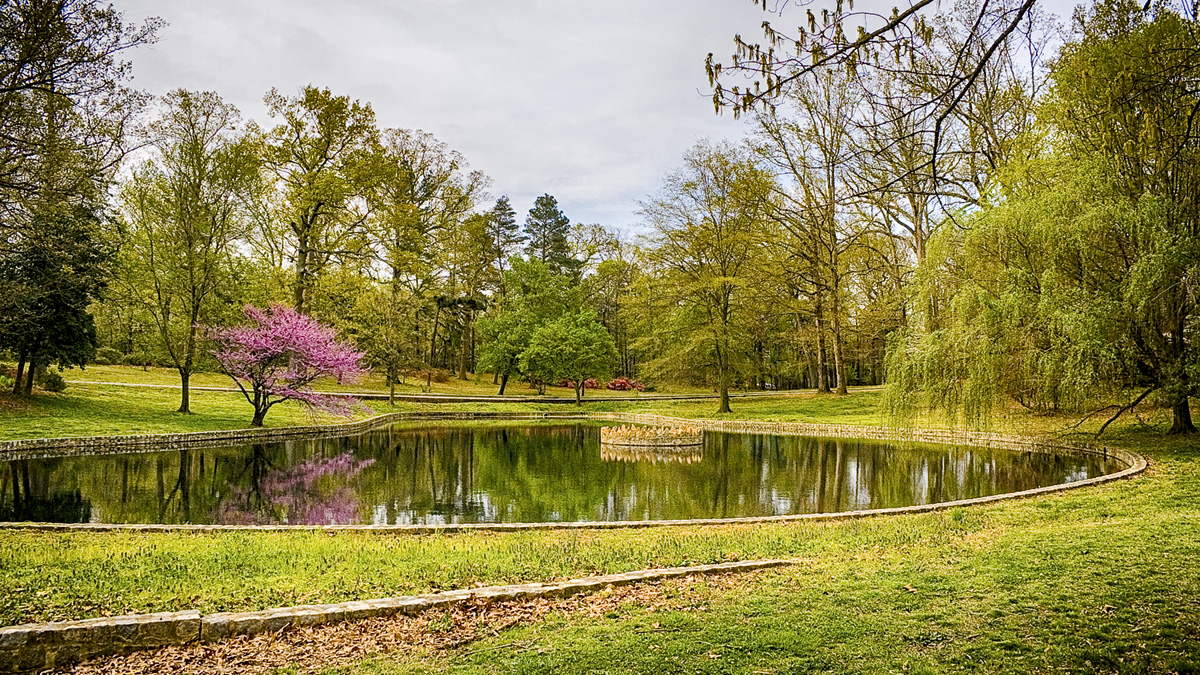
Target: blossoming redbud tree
(278, 356)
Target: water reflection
(618, 453)
(513, 473)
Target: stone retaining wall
(31, 647)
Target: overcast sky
(592, 101)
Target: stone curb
(1135, 464)
(30, 647)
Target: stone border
(48, 645)
(118, 444)
(652, 437)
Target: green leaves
(572, 347)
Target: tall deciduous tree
(813, 151)
(1078, 287)
(319, 159)
(708, 222)
(183, 208)
(68, 50)
(421, 195)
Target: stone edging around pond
(47, 645)
(122, 444)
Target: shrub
(626, 384)
(54, 381)
(107, 356)
(6, 383)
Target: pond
(515, 472)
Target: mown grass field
(372, 383)
(89, 408)
(1103, 579)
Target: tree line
(943, 204)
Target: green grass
(1103, 579)
(87, 408)
(373, 383)
(96, 410)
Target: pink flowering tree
(278, 356)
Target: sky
(592, 102)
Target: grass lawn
(87, 408)
(373, 383)
(1104, 579)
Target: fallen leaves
(314, 648)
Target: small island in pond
(652, 436)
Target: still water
(515, 472)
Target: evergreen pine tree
(505, 234)
(547, 230)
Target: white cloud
(590, 101)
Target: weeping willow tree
(1079, 288)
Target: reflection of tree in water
(510, 472)
(423, 475)
(314, 492)
(632, 453)
(27, 493)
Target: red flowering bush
(626, 384)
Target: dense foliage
(1075, 288)
(979, 222)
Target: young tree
(535, 296)
(573, 347)
(183, 212)
(548, 231)
(279, 356)
(381, 323)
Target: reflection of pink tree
(280, 355)
(299, 495)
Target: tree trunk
(185, 392)
(503, 384)
(1182, 423)
(392, 386)
(29, 377)
(839, 361)
(257, 421)
(724, 398)
(302, 254)
(822, 367)
(464, 349)
(20, 373)
(437, 318)
(579, 394)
